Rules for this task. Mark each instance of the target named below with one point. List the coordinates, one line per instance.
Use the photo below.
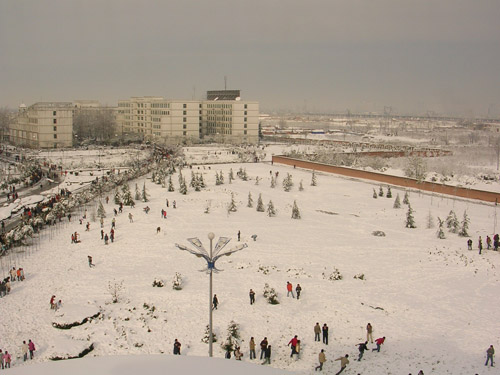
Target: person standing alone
(369, 331)
(322, 359)
(489, 355)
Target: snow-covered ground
(434, 300)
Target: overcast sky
(414, 56)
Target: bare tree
(94, 124)
(5, 118)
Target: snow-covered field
(434, 300)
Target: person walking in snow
(343, 363)
(6, 359)
(24, 351)
(167, 202)
(113, 223)
(480, 245)
(267, 356)
(90, 261)
(378, 342)
(1, 359)
(488, 242)
(325, 334)
(293, 344)
(102, 234)
(317, 331)
(289, 288)
(369, 331)
(252, 348)
(239, 235)
(106, 238)
(215, 302)
(252, 297)
(362, 347)
(174, 204)
(298, 289)
(177, 347)
(87, 227)
(263, 347)
(102, 222)
(52, 302)
(489, 355)
(31, 345)
(112, 235)
(322, 360)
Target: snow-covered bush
(115, 288)
(335, 275)
(410, 221)
(359, 276)
(177, 281)
(233, 335)
(158, 283)
(206, 337)
(464, 230)
(270, 295)
(378, 233)
(271, 211)
(295, 211)
(260, 204)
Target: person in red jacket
(293, 345)
(289, 288)
(379, 342)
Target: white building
(43, 125)
(175, 121)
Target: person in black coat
(215, 302)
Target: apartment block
(43, 125)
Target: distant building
(43, 125)
(177, 121)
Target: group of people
(55, 305)
(14, 275)
(489, 243)
(27, 350)
(289, 288)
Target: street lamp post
(210, 258)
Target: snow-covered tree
(313, 179)
(416, 168)
(271, 211)
(221, 178)
(430, 221)
(145, 194)
(217, 178)
(101, 212)
(233, 335)
(137, 193)
(231, 175)
(301, 187)
(170, 184)
(250, 200)
(380, 191)
(257, 179)
(270, 295)
(118, 198)
(295, 211)
(232, 205)
(389, 193)
(406, 199)
(410, 220)
(464, 230)
(397, 202)
(206, 337)
(183, 187)
(127, 198)
(440, 232)
(287, 182)
(452, 222)
(273, 182)
(375, 196)
(260, 204)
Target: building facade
(43, 125)
(177, 121)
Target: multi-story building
(43, 125)
(175, 121)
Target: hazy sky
(415, 56)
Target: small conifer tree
(183, 187)
(221, 178)
(313, 179)
(137, 194)
(271, 211)
(170, 184)
(464, 230)
(101, 212)
(257, 179)
(217, 178)
(127, 198)
(118, 198)
(287, 182)
(145, 194)
(452, 222)
(295, 211)
(301, 187)
(260, 205)
(406, 199)
(232, 205)
(380, 192)
(389, 192)
(440, 233)
(206, 337)
(375, 196)
(397, 202)
(273, 182)
(410, 221)
(430, 221)
(250, 200)
(231, 175)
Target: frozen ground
(435, 301)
